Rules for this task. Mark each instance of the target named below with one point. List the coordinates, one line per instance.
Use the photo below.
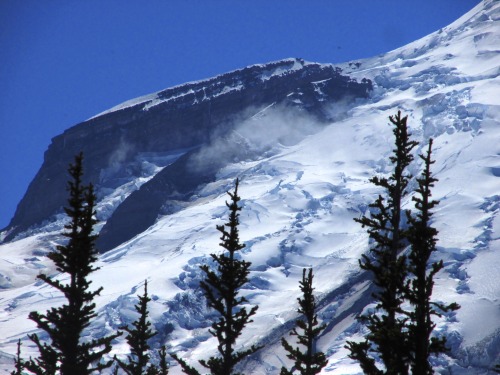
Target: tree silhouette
(387, 337)
(138, 338)
(18, 361)
(308, 361)
(66, 352)
(221, 288)
(422, 237)
(162, 368)
(402, 337)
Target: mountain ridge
(299, 197)
(181, 117)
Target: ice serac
(177, 118)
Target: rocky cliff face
(176, 121)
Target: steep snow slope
(299, 199)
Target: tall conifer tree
(422, 237)
(66, 352)
(221, 287)
(308, 361)
(138, 338)
(387, 337)
(163, 366)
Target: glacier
(303, 180)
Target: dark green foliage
(387, 337)
(18, 361)
(163, 365)
(138, 338)
(152, 370)
(46, 363)
(66, 352)
(185, 367)
(221, 288)
(308, 361)
(422, 237)
(402, 338)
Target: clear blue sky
(63, 61)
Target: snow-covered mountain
(304, 138)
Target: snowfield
(299, 200)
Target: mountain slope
(119, 143)
(304, 177)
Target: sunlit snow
(299, 202)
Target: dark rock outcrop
(182, 117)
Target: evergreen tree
(308, 362)
(18, 361)
(221, 288)
(387, 338)
(163, 365)
(422, 237)
(138, 338)
(66, 351)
